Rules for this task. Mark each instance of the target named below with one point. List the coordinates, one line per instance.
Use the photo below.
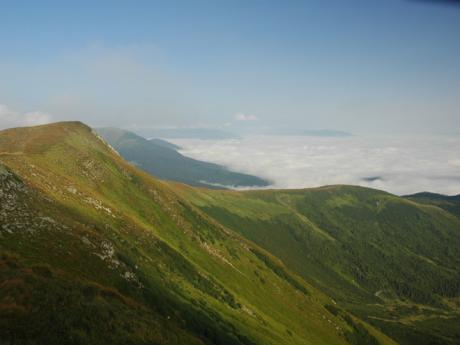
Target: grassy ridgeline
(96, 251)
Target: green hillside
(95, 251)
(163, 161)
(449, 203)
(391, 261)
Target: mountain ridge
(155, 261)
(164, 161)
(127, 260)
(450, 203)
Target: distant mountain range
(311, 132)
(161, 159)
(94, 250)
(234, 132)
(186, 133)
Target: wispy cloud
(245, 117)
(400, 165)
(11, 118)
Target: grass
(123, 258)
(367, 249)
(107, 254)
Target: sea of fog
(400, 165)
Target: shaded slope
(164, 143)
(166, 163)
(392, 261)
(95, 251)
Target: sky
(362, 66)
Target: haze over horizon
(358, 66)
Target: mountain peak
(42, 138)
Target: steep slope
(166, 163)
(95, 251)
(389, 260)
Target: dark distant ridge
(450, 203)
(434, 196)
(161, 159)
(165, 143)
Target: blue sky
(359, 66)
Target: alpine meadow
(277, 172)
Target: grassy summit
(95, 251)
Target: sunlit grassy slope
(94, 251)
(391, 261)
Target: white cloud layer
(400, 165)
(245, 117)
(10, 118)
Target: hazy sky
(359, 66)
